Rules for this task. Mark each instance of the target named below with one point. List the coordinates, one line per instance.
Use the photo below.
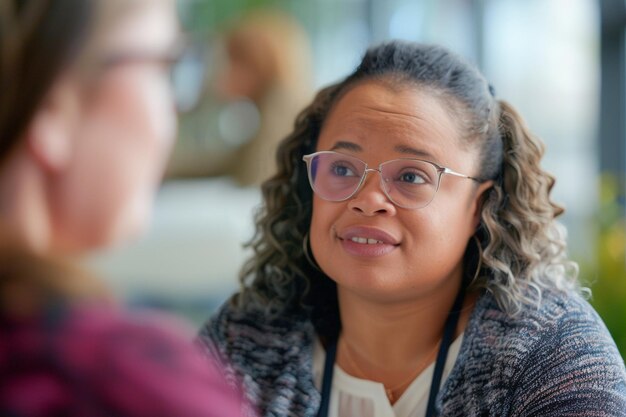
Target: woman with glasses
(407, 261)
(86, 123)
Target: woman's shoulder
(558, 352)
(271, 355)
(123, 360)
(559, 315)
(234, 325)
(563, 323)
(251, 336)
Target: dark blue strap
(327, 382)
(446, 341)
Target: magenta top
(96, 360)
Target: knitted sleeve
(213, 340)
(269, 357)
(573, 369)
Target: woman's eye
(342, 171)
(412, 178)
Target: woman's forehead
(153, 26)
(374, 105)
(373, 109)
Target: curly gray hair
(519, 250)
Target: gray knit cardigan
(557, 360)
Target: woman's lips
(367, 241)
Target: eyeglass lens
(408, 183)
(187, 76)
(185, 64)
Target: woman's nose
(371, 199)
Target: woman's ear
(51, 133)
(481, 191)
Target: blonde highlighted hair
(525, 248)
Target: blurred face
(122, 138)
(369, 245)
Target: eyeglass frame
(440, 171)
(171, 59)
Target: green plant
(606, 271)
(202, 16)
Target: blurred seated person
(86, 124)
(262, 82)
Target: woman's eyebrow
(412, 151)
(350, 146)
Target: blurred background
(254, 64)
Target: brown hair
(30, 282)
(37, 41)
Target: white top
(355, 397)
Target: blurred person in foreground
(408, 261)
(263, 80)
(86, 124)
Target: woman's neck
(392, 343)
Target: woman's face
(418, 251)
(123, 136)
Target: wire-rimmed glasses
(407, 182)
(185, 64)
